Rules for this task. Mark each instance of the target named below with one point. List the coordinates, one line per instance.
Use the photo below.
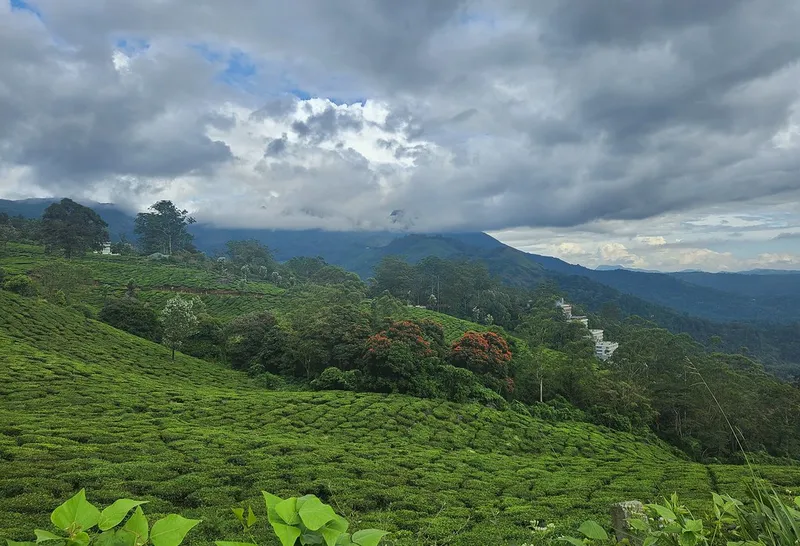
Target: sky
(654, 134)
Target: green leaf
(169, 531)
(114, 538)
(287, 511)
(638, 524)
(225, 543)
(137, 526)
(330, 534)
(315, 514)
(81, 539)
(271, 500)
(338, 523)
(694, 525)
(42, 536)
(591, 529)
(368, 537)
(649, 541)
(797, 501)
(239, 513)
(344, 540)
(76, 513)
(251, 517)
(114, 514)
(286, 533)
(688, 538)
(572, 540)
(663, 511)
(311, 537)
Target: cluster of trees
(74, 229)
(335, 338)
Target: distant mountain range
(769, 297)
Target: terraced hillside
(85, 405)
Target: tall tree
(164, 229)
(73, 228)
(179, 320)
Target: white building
(597, 335)
(565, 307)
(604, 349)
(582, 320)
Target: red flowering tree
(398, 358)
(487, 355)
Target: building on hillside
(582, 320)
(105, 250)
(604, 349)
(565, 307)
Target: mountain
(718, 297)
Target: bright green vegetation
(85, 405)
(116, 271)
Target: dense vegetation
(415, 403)
(85, 405)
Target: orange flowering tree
(399, 359)
(487, 355)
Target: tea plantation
(85, 405)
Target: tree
(250, 253)
(132, 316)
(73, 228)
(256, 342)
(179, 321)
(164, 230)
(487, 355)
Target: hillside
(713, 297)
(85, 405)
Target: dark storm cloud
(514, 113)
(75, 120)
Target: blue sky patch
(25, 6)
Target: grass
(85, 405)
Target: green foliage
(65, 282)
(306, 520)
(73, 228)
(77, 518)
(20, 284)
(132, 316)
(335, 379)
(255, 342)
(179, 321)
(164, 229)
(767, 520)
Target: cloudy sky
(658, 134)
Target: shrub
(458, 384)
(84, 310)
(20, 284)
(270, 381)
(132, 316)
(333, 378)
(257, 343)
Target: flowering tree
(399, 357)
(487, 355)
(179, 320)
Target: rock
(621, 513)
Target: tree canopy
(164, 229)
(73, 228)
